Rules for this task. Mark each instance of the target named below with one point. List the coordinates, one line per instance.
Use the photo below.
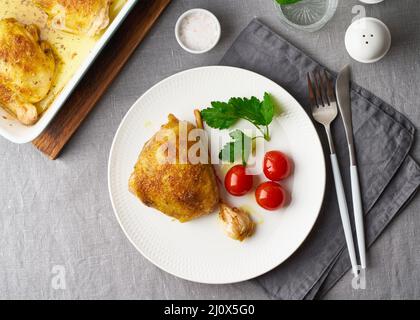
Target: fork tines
(321, 90)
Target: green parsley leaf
(239, 148)
(220, 115)
(267, 109)
(287, 1)
(248, 109)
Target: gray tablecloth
(56, 215)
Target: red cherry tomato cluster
(270, 195)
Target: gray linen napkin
(389, 177)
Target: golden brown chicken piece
(181, 190)
(77, 16)
(26, 69)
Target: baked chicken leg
(181, 190)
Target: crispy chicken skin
(183, 191)
(26, 69)
(77, 16)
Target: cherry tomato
(276, 166)
(237, 182)
(270, 195)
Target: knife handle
(358, 214)
(344, 212)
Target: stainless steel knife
(342, 89)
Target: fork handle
(344, 212)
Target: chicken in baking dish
(87, 17)
(26, 69)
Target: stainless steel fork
(324, 111)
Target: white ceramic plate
(199, 250)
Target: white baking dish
(14, 131)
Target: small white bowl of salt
(197, 31)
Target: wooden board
(99, 76)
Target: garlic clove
(238, 223)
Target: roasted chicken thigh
(26, 69)
(181, 190)
(77, 16)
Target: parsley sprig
(222, 115)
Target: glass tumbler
(308, 15)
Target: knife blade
(342, 89)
